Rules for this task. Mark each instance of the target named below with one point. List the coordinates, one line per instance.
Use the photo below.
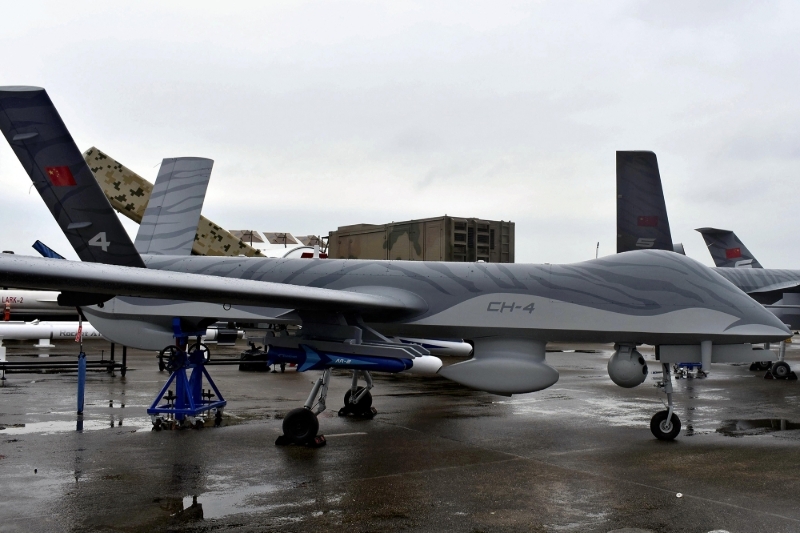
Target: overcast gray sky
(321, 114)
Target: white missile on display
(46, 331)
(19, 301)
(438, 347)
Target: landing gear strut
(666, 425)
(358, 400)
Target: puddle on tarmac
(61, 426)
(229, 500)
(759, 426)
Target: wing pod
(504, 366)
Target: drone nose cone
(694, 302)
(761, 325)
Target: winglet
(46, 251)
(727, 250)
(44, 146)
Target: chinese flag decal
(650, 222)
(733, 253)
(60, 176)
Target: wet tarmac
(438, 457)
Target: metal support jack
(190, 401)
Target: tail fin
(642, 221)
(38, 136)
(169, 224)
(727, 250)
(129, 193)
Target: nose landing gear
(665, 425)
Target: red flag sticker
(60, 176)
(733, 253)
(650, 222)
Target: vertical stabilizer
(727, 250)
(48, 154)
(642, 221)
(169, 224)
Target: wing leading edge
(111, 280)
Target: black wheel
(203, 348)
(157, 424)
(764, 365)
(663, 429)
(300, 425)
(362, 406)
(781, 370)
(218, 419)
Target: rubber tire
(764, 365)
(361, 407)
(300, 425)
(655, 426)
(781, 370)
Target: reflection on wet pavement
(576, 457)
(741, 428)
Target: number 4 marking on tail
(100, 240)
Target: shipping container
(431, 239)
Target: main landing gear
(301, 426)
(666, 425)
(358, 400)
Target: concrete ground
(438, 457)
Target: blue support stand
(189, 400)
(81, 380)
